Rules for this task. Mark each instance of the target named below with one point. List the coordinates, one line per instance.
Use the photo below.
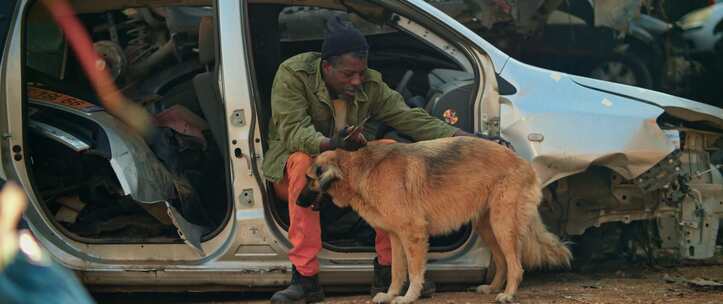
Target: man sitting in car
(315, 96)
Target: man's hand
(12, 205)
(342, 140)
(497, 139)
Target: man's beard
(349, 91)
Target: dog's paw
(382, 297)
(485, 289)
(402, 300)
(504, 298)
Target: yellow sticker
(61, 99)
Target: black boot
(383, 278)
(302, 290)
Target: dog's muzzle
(310, 198)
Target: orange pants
(305, 228)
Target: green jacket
(302, 114)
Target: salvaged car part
(113, 57)
(696, 222)
(59, 135)
(607, 40)
(662, 174)
(189, 232)
(96, 137)
(625, 70)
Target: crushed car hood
(678, 107)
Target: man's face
(346, 77)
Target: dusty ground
(623, 285)
(615, 284)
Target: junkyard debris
(698, 283)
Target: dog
(413, 191)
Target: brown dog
(433, 187)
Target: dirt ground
(616, 283)
(621, 284)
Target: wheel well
(593, 197)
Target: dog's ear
(313, 172)
(329, 174)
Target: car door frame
(83, 256)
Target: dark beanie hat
(342, 38)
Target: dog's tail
(541, 248)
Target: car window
(6, 9)
(46, 46)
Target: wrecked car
(188, 208)
(606, 40)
